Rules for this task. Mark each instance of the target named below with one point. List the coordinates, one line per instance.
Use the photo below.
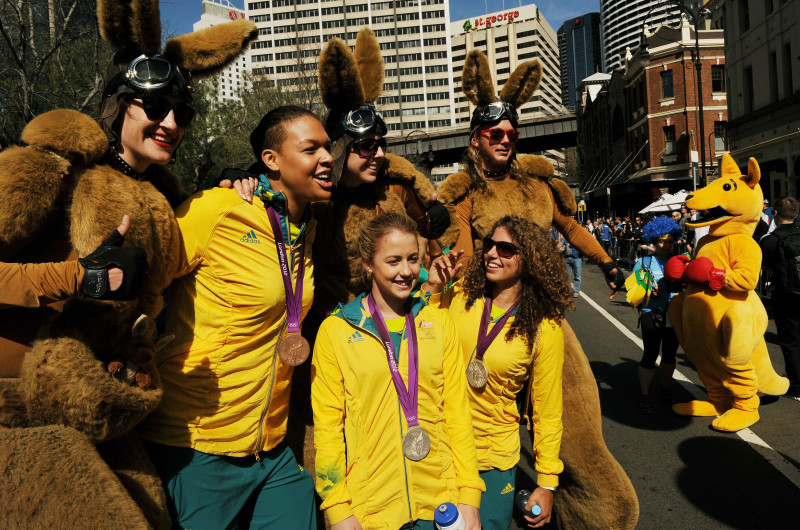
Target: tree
(51, 56)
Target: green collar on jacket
(352, 313)
(277, 200)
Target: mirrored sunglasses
(156, 108)
(367, 147)
(496, 136)
(505, 249)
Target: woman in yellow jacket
(516, 286)
(393, 434)
(217, 438)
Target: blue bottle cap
(536, 510)
(446, 514)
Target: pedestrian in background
(657, 332)
(781, 254)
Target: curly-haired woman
(510, 287)
(657, 333)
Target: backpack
(787, 261)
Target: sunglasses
(505, 249)
(157, 108)
(496, 136)
(367, 147)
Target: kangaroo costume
(69, 456)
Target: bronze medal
(416, 443)
(477, 375)
(293, 349)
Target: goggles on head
(496, 111)
(152, 74)
(364, 119)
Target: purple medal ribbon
(294, 299)
(484, 339)
(408, 398)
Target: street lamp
(417, 156)
(696, 16)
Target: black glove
(439, 219)
(132, 260)
(233, 174)
(619, 278)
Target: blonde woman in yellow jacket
(393, 434)
(507, 309)
(217, 439)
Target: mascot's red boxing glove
(673, 272)
(702, 270)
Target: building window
(744, 15)
(773, 77)
(667, 90)
(669, 140)
(788, 89)
(747, 90)
(718, 78)
(719, 135)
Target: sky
(177, 16)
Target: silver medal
(477, 375)
(416, 443)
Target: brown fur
(12, 407)
(208, 51)
(69, 133)
(563, 196)
(145, 25)
(339, 83)
(370, 64)
(114, 18)
(54, 478)
(522, 83)
(594, 491)
(476, 79)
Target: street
(685, 474)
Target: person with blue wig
(655, 292)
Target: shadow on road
(722, 478)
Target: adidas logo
(355, 337)
(250, 237)
(508, 489)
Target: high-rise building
(509, 38)
(229, 81)
(580, 53)
(413, 36)
(622, 22)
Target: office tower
(580, 54)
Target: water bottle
(521, 499)
(447, 517)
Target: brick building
(652, 127)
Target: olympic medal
(477, 375)
(294, 349)
(416, 443)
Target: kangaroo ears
(339, 83)
(132, 24)
(476, 79)
(753, 173)
(522, 83)
(370, 64)
(208, 51)
(349, 79)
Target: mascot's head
(732, 203)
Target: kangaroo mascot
(719, 319)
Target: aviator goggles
(497, 135)
(156, 109)
(367, 147)
(496, 111)
(505, 249)
(146, 74)
(364, 118)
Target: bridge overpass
(447, 145)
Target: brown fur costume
(594, 490)
(59, 202)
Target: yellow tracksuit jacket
(495, 416)
(226, 391)
(359, 424)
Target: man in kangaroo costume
(593, 491)
(67, 453)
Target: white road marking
(786, 468)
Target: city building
(762, 50)
(413, 36)
(639, 128)
(580, 53)
(231, 80)
(622, 22)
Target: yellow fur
(476, 79)
(522, 83)
(208, 51)
(339, 83)
(722, 332)
(370, 64)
